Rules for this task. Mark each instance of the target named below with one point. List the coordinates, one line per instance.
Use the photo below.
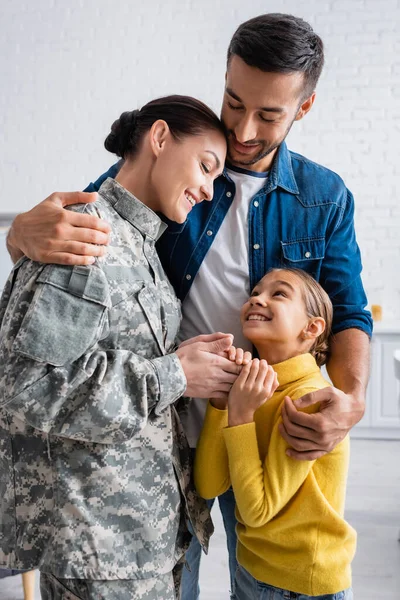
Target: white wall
(69, 68)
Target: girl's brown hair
(318, 304)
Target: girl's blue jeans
(248, 588)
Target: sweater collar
(133, 210)
(295, 368)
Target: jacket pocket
(306, 254)
(66, 315)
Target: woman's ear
(314, 328)
(158, 135)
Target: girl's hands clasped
(253, 387)
(239, 357)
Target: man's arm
(349, 367)
(50, 234)
(342, 406)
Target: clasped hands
(255, 384)
(232, 379)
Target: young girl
(293, 542)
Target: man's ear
(158, 135)
(305, 107)
(314, 328)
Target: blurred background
(68, 69)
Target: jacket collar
(132, 210)
(281, 172)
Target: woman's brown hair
(186, 116)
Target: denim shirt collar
(280, 174)
(132, 210)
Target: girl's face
(275, 312)
(184, 173)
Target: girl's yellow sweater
(291, 530)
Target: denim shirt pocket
(306, 254)
(66, 315)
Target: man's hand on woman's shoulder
(48, 233)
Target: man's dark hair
(282, 44)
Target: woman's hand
(209, 373)
(253, 387)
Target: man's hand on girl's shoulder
(310, 436)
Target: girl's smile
(275, 317)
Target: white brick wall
(69, 68)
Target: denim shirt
(303, 217)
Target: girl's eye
(280, 293)
(234, 107)
(205, 168)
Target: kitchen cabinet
(382, 414)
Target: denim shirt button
(209, 232)
(307, 254)
(255, 203)
(256, 246)
(188, 277)
(228, 194)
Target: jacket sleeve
(262, 489)
(341, 274)
(211, 469)
(56, 377)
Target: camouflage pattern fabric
(153, 588)
(94, 477)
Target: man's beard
(264, 151)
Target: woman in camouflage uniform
(94, 485)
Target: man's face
(258, 111)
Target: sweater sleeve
(263, 489)
(211, 470)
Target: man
(271, 207)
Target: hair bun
(120, 140)
(321, 353)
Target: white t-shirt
(221, 285)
